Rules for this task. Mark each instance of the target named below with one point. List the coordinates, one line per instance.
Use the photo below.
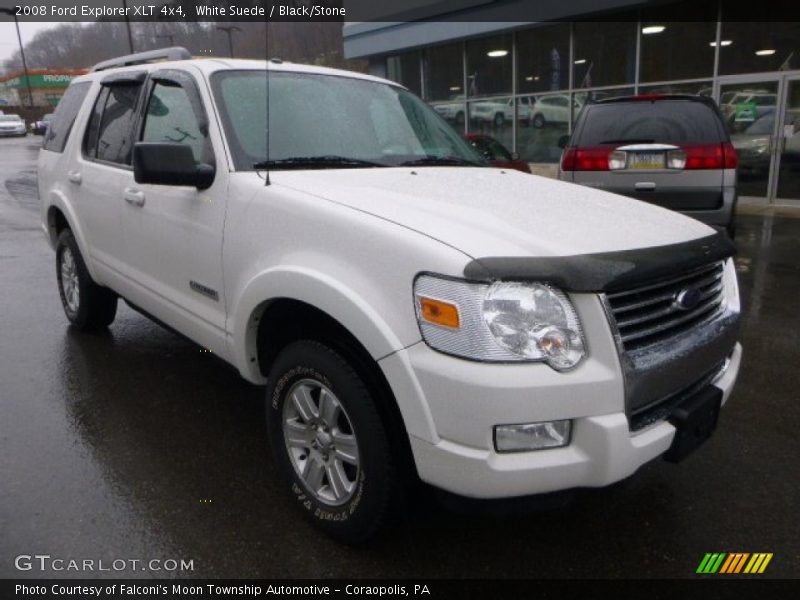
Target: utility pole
(11, 12)
(128, 25)
(230, 30)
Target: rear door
(102, 169)
(669, 152)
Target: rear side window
(109, 135)
(660, 122)
(64, 117)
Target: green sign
(745, 112)
(45, 80)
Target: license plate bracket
(695, 419)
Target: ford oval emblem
(687, 298)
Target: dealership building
(524, 82)
(46, 86)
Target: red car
(497, 154)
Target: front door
(788, 181)
(173, 234)
(750, 110)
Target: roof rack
(173, 53)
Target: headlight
(730, 286)
(499, 322)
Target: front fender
(317, 289)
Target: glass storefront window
(453, 112)
(489, 66)
(753, 47)
(604, 53)
(676, 50)
(541, 121)
(444, 73)
(543, 59)
(579, 99)
(404, 69)
(493, 117)
(699, 88)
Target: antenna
(266, 58)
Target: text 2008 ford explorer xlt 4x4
(412, 313)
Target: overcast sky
(8, 36)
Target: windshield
(328, 121)
(9, 118)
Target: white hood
(489, 212)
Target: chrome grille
(650, 314)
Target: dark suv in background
(670, 150)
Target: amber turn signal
(439, 312)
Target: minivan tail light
(710, 156)
(586, 159)
(731, 158)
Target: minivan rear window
(650, 122)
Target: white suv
(413, 314)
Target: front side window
(171, 117)
(333, 118)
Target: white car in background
(12, 125)
(553, 110)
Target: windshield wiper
(631, 141)
(316, 162)
(449, 161)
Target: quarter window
(64, 117)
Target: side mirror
(515, 156)
(170, 164)
(563, 141)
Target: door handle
(133, 197)
(644, 186)
(74, 177)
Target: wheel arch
(285, 320)
(59, 216)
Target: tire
(87, 305)
(499, 120)
(459, 118)
(303, 439)
(538, 120)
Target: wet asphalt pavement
(135, 444)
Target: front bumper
(464, 402)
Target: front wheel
(86, 304)
(538, 121)
(329, 442)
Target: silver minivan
(670, 150)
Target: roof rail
(173, 53)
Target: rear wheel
(329, 441)
(86, 304)
(538, 120)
